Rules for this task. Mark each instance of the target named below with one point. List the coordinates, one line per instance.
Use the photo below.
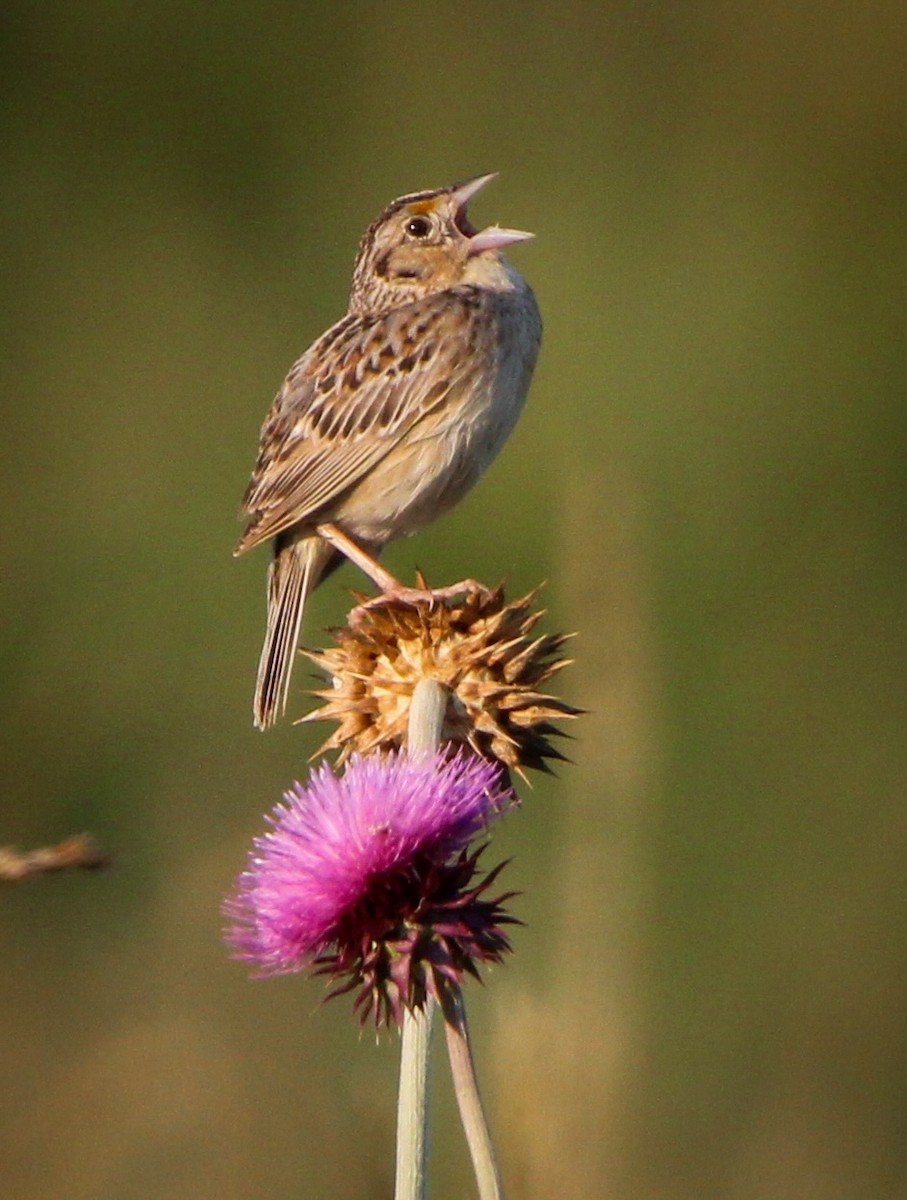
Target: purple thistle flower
(367, 878)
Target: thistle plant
(370, 879)
(372, 875)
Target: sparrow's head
(424, 243)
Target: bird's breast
(446, 452)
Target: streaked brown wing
(347, 403)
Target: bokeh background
(709, 997)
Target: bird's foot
(399, 593)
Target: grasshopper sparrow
(394, 412)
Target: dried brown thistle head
(480, 647)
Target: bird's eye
(418, 227)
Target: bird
(393, 414)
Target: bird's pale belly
(431, 470)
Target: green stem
(426, 718)
(413, 1105)
(466, 1086)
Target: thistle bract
(482, 648)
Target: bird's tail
(297, 568)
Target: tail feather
(296, 569)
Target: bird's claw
(416, 596)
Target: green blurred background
(709, 998)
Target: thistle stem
(426, 718)
(466, 1086)
(413, 1105)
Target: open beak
(492, 238)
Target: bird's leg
(389, 586)
(382, 579)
